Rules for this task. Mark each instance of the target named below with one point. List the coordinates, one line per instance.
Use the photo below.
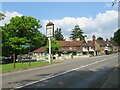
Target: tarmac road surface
(87, 72)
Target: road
(87, 72)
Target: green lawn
(23, 66)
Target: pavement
(69, 59)
(87, 72)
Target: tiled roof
(68, 50)
(71, 43)
(101, 42)
(64, 43)
(90, 43)
(104, 43)
(41, 49)
(50, 23)
(113, 43)
(77, 43)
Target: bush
(1, 58)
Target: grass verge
(23, 66)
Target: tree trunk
(14, 59)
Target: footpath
(68, 59)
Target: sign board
(49, 33)
(50, 30)
(25, 46)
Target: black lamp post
(88, 49)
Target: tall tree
(114, 2)
(58, 34)
(77, 33)
(111, 39)
(100, 38)
(117, 37)
(21, 30)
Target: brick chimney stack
(94, 38)
(86, 39)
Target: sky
(97, 18)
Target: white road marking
(38, 68)
(82, 66)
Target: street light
(49, 33)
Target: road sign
(25, 46)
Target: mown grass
(23, 66)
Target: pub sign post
(49, 34)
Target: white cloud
(109, 4)
(8, 16)
(104, 24)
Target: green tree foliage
(21, 30)
(58, 34)
(77, 33)
(2, 16)
(114, 2)
(55, 46)
(111, 38)
(100, 38)
(117, 37)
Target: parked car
(29, 60)
(7, 59)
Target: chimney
(94, 37)
(107, 42)
(85, 38)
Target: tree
(111, 39)
(107, 39)
(114, 2)
(117, 37)
(2, 16)
(58, 34)
(55, 46)
(21, 30)
(77, 33)
(100, 38)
